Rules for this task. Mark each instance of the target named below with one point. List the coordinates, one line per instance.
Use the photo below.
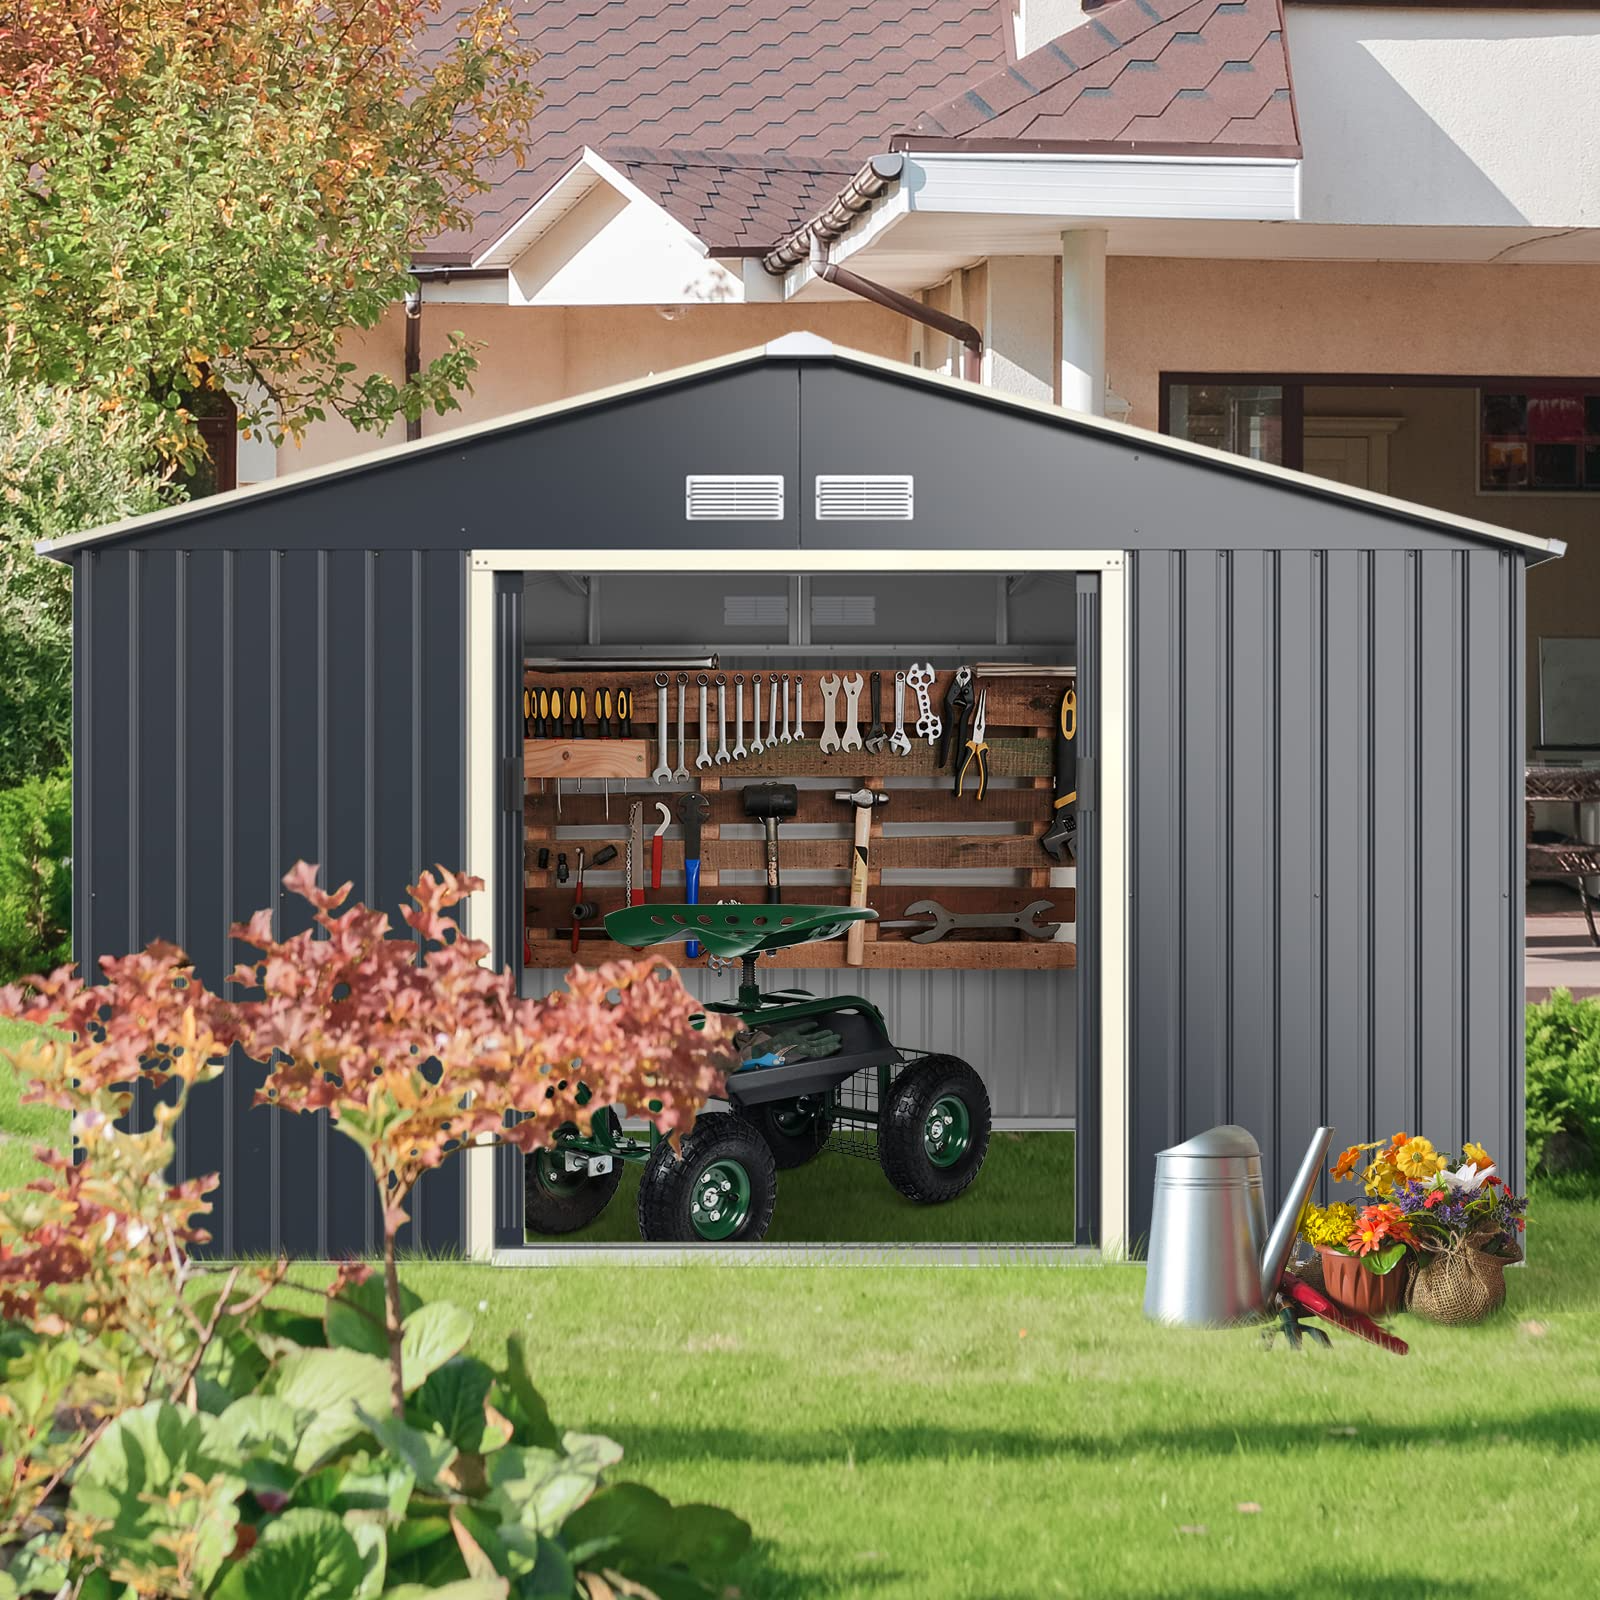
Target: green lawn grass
(1022, 1195)
(23, 1126)
(1004, 1433)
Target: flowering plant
(1378, 1236)
(1468, 1205)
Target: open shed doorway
(1002, 998)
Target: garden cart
(809, 1069)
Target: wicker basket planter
(1349, 1284)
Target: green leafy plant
(172, 1430)
(35, 874)
(1562, 1041)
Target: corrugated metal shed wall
(237, 710)
(1327, 882)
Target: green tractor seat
(733, 931)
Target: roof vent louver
(733, 497)
(864, 497)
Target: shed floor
(1560, 955)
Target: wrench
(704, 758)
(682, 773)
(663, 766)
(852, 713)
(772, 725)
(929, 726)
(1024, 921)
(738, 716)
(828, 684)
(723, 757)
(898, 741)
(786, 737)
(799, 714)
(756, 746)
(877, 736)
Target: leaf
(452, 1400)
(430, 1337)
(416, 1533)
(354, 1318)
(467, 1589)
(541, 1488)
(334, 1386)
(231, 1368)
(372, 1547)
(1385, 1260)
(628, 1526)
(426, 1455)
(305, 1553)
(524, 1405)
(260, 1426)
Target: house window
(217, 418)
(1245, 419)
(1536, 439)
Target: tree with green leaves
(200, 193)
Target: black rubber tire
(791, 1146)
(565, 1205)
(902, 1119)
(667, 1188)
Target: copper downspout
(882, 295)
(413, 353)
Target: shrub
(1563, 1075)
(171, 1430)
(35, 875)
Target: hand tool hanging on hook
(828, 684)
(656, 842)
(935, 922)
(977, 756)
(852, 712)
(738, 751)
(703, 760)
(635, 853)
(1061, 837)
(681, 773)
(865, 801)
(722, 720)
(693, 809)
(929, 726)
(957, 712)
(757, 744)
(900, 740)
(769, 804)
(877, 734)
(663, 769)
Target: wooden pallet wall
(614, 772)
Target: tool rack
(1021, 716)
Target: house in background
(1362, 239)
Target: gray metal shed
(1300, 872)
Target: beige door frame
(1110, 565)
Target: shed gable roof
(758, 426)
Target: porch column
(1083, 319)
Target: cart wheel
(558, 1201)
(795, 1130)
(720, 1190)
(933, 1129)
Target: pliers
(977, 750)
(957, 706)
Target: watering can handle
(1280, 1243)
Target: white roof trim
(806, 346)
(583, 175)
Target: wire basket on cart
(855, 1107)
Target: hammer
(770, 803)
(865, 801)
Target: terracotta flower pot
(1351, 1285)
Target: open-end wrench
(852, 712)
(772, 720)
(899, 742)
(877, 734)
(704, 758)
(663, 767)
(738, 716)
(828, 684)
(723, 758)
(756, 743)
(1025, 921)
(799, 709)
(682, 772)
(786, 737)
(921, 679)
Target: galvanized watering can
(1212, 1262)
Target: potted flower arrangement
(1363, 1254)
(1467, 1225)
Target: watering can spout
(1281, 1240)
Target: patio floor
(1560, 955)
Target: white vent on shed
(863, 497)
(733, 497)
(755, 610)
(844, 610)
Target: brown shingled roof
(736, 204)
(805, 80)
(1145, 74)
